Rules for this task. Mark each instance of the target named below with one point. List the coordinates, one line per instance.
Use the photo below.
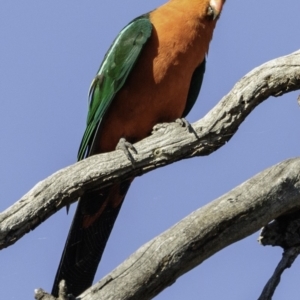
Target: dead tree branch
(228, 219)
(284, 231)
(288, 257)
(167, 144)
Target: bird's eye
(210, 11)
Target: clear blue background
(49, 53)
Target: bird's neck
(182, 25)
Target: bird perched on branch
(152, 73)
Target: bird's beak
(216, 6)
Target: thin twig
(288, 258)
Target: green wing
(195, 87)
(112, 75)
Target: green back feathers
(111, 76)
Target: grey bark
(40, 294)
(232, 217)
(167, 144)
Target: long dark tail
(93, 222)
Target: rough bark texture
(233, 216)
(167, 144)
(283, 232)
(40, 294)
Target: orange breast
(156, 90)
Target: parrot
(152, 73)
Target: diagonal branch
(167, 144)
(228, 219)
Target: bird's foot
(185, 124)
(159, 126)
(124, 146)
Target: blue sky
(49, 53)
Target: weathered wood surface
(167, 144)
(230, 218)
